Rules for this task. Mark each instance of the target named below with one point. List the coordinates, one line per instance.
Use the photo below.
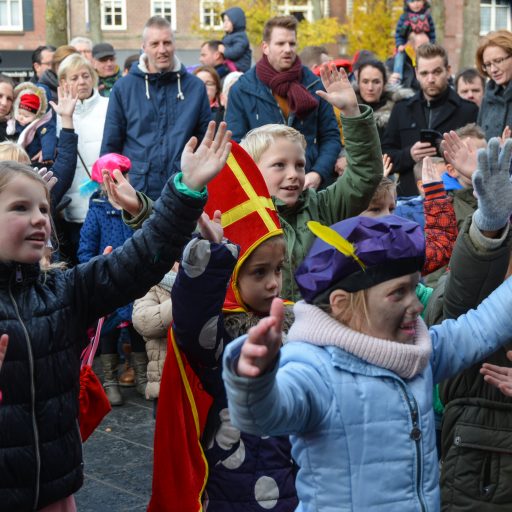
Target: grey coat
(496, 109)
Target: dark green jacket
(348, 196)
(476, 471)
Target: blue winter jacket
(45, 140)
(236, 44)
(103, 226)
(150, 118)
(251, 105)
(362, 436)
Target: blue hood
(237, 17)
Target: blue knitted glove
(493, 187)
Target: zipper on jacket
(416, 436)
(32, 389)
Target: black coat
(408, 117)
(46, 316)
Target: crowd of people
(304, 267)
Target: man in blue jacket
(279, 89)
(154, 111)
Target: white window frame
(111, 3)
(492, 5)
(165, 4)
(10, 26)
(287, 7)
(203, 4)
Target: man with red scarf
(279, 89)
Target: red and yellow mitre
(249, 216)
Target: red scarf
(288, 84)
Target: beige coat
(152, 316)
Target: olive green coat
(348, 196)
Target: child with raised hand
(245, 472)
(279, 153)
(46, 314)
(352, 386)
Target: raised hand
(388, 165)
(47, 176)
(507, 133)
(338, 90)
(201, 165)
(4, 341)
(459, 154)
(120, 193)
(260, 349)
(66, 102)
(428, 172)
(492, 186)
(499, 376)
(211, 229)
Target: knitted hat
(30, 102)
(248, 214)
(110, 162)
(359, 253)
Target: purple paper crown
(388, 247)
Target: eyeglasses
(210, 84)
(486, 66)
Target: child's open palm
(459, 154)
(120, 192)
(339, 91)
(211, 229)
(262, 345)
(199, 167)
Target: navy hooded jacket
(236, 44)
(150, 118)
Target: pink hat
(110, 162)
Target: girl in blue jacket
(353, 384)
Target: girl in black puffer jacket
(46, 313)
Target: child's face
(24, 117)
(393, 309)
(283, 168)
(227, 24)
(416, 5)
(384, 205)
(24, 220)
(6, 99)
(260, 277)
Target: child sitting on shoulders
(359, 335)
(33, 124)
(235, 44)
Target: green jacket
(348, 196)
(476, 435)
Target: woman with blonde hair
(77, 74)
(494, 60)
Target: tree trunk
(95, 21)
(56, 22)
(471, 33)
(438, 13)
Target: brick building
(22, 23)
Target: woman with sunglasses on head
(494, 60)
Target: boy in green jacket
(279, 153)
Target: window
(11, 17)
(210, 14)
(494, 15)
(113, 15)
(166, 9)
(301, 9)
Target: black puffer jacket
(46, 316)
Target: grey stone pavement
(119, 459)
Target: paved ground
(119, 458)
